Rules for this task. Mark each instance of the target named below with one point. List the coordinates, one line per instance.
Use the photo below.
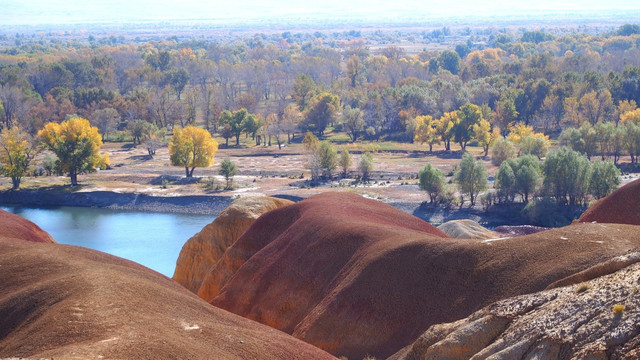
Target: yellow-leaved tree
(76, 144)
(16, 152)
(485, 135)
(427, 131)
(192, 147)
(444, 128)
(631, 116)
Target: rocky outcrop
(200, 253)
(621, 206)
(467, 229)
(69, 302)
(357, 277)
(15, 227)
(518, 230)
(596, 319)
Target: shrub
(366, 165)
(618, 309)
(502, 150)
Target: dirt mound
(356, 277)
(13, 226)
(621, 206)
(61, 301)
(467, 229)
(203, 250)
(592, 320)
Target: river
(151, 239)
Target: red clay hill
(61, 301)
(357, 277)
(12, 226)
(620, 207)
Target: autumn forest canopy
(455, 86)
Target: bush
(618, 309)
(502, 150)
(544, 212)
(209, 184)
(534, 145)
(448, 198)
(487, 200)
(366, 165)
(328, 158)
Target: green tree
(228, 170)
(505, 182)
(236, 121)
(192, 147)
(328, 158)
(449, 60)
(140, 130)
(468, 116)
(345, 162)
(366, 165)
(431, 180)
(528, 175)
(566, 175)
(304, 88)
(105, 120)
(178, 78)
(76, 144)
(471, 177)
(353, 121)
(17, 150)
(605, 177)
(321, 112)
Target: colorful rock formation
(597, 319)
(200, 253)
(357, 277)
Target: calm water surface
(151, 239)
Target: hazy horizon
(60, 12)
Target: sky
(31, 12)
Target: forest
(533, 88)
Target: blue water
(151, 239)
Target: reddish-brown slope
(356, 277)
(61, 301)
(200, 253)
(13, 226)
(621, 206)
